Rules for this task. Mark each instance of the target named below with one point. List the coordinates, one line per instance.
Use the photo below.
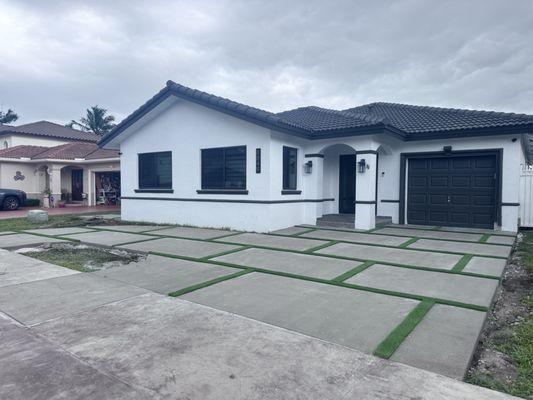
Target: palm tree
(96, 121)
(9, 116)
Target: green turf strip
(484, 238)
(223, 253)
(209, 283)
(353, 272)
(322, 246)
(389, 345)
(461, 264)
(410, 241)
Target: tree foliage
(8, 117)
(96, 120)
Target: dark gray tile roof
(422, 119)
(50, 130)
(406, 121)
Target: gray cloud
(59, 57)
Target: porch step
(346, 221)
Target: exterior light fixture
(447, 149)
(363, 166)
(308, 167)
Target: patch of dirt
(509, 309)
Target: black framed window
(224, 168)
(155, 170)
(290, 161)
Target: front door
(77, 184)
(347, 170)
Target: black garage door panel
(452, 191)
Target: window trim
(156, 189)
(288, 188)
(223, 190)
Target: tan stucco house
(44, 158)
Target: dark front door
(452, 191)
(77, 184)
(347, 170)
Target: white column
(314, 189)
(365, 192)
(54, 171)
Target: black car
(11, 199)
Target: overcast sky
(59, 57)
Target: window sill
(154, 190)
(291, 192)
(222, 191)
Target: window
(290, 159)
(224, 168)
(155, 170)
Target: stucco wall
(18, 140)
(30, 183)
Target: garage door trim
(498, 153)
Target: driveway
(242, 304)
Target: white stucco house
(189, 157)
(43, 158)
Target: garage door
(452, 191)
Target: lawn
(81, 257)
(54, 221)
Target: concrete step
(334, 224)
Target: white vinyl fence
(526, 196)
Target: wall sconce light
(363, 166)
(447, 149)
(308, 167)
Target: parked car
(11, 199)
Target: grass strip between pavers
(389, 345)
(223, 253)
(410, 241)
(50, 236)
(484, 238)
(134, 241)
(209, 283)
(322, 246)
(461, 264)
(329, 282)
(353, 272)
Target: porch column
(54, 171)
(314, 187)
(365, 191)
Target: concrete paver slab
(399, 256)
(465, 289)
(353, 318)
(443, 342)
(164, 274)
(293, 230)
(25, 239)
(501, 239)
(357, 237)
(38, 301)
(60, 231)
(462, 247)
(287, 243)
(193, 233)
(17, 268)
(472, 237)
(181, 247)
(474, 230)
(178, 348)
(487, 266)
(31, 368)
(108, 238)
(300, 264)
(131, 228)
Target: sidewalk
(23, 211)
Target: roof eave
(472, 132)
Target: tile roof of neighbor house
(68, 151)
(404, 121)
(51, 130)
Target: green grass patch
(410, 241)
(80, 258)
(388, 346)
(525, 248)
(353, 272)
(209, 283)
(54, 221)
(519, 347)
(461, 264)
(484, 238)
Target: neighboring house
(45, 157)
(189, 157)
